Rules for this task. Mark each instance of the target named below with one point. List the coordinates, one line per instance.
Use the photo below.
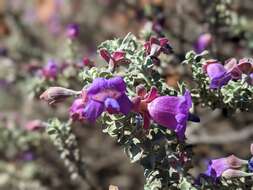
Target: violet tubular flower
(224, 167)
(217, 73)
(155, 46)
(203, 41)
(171, 112)
(103, 95)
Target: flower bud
(87, 62)
(57, 94)
(34, 125)
(72, 30)
(251, 148)
(203, 41)
(231, 173)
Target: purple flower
(50, 71)
(72, 31)
(217, 74)
(203, 41)
(217, 167)
(104, 95)
(155, 46)
(171, 112)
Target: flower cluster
(102, 95)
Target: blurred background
(33, 34)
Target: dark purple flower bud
(50, 71)
(217, 74)
(73, 31)
(155, 46)
(87, 62)
(203, 41)
(35, 125)
(104, 95)
(114, 59)
(217, 167)
(57, 94)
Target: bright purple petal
(125, 104)
(97, 85)
(220, 81)
(112, 106)
(93, 110)
(217, 167)
(215, 70)
(117, 83)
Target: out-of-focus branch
(223, 138)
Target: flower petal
(215, 70)
(112, 105)
(97, 85)
(125, 104)
(117, 83)
(93, 110)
